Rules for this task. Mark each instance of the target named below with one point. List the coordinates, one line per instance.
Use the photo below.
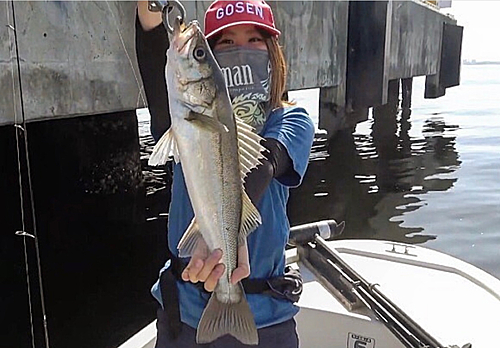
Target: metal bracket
(396, 249)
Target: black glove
(151, 47)
(276, 164)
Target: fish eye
(199, 53)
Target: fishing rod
(398, 322)
(311, 241)
(26, 195)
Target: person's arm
(151, 46)
(149, 20)
(276, 164)
(293, 129)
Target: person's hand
(205, 267)
(149, 20)
(243, 269)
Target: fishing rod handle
(327, 229)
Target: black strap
(289, 286)
(286, 287)
(170, 299)
(170, 296)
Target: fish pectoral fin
(207, 122)
(189, 241)
(165, 148)
(219, 319)
(249, 148)
(250, 218)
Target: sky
(481, 22)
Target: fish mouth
(185, 34)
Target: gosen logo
(358, 341)
(239, 7)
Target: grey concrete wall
(76, 58)
(9, 98)
(391, 40)
(415, 32)
(314, 39)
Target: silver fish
(216, 151)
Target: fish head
(192, 69)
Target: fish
(216, 151)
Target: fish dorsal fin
(250, 218)
(189, 241)
(165, 148)
(249, 148)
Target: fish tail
(219, 319)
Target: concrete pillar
(356, 116)
(332, 116)
(366, 53)
(391, 107)
(406, 91)
(449, 62)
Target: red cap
(224, 14)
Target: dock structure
(66, 59)
(70, 85)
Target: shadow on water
(101, 236)
(372, 179)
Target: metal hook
(165, 7)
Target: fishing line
(16, 130)
(20, 125)
(23, 233)
(141, 95)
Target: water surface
(429, 176)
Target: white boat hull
(451, 300)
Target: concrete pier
(74, 58)
(394, 40)
(78, 58)
(351, 50)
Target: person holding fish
(238, 146)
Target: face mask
(247, 73)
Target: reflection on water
(370, 178)
(373, 177)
